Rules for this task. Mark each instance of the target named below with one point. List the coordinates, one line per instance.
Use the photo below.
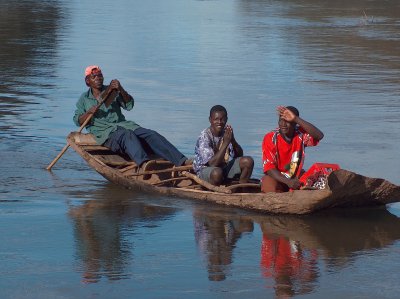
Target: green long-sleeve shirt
(106, 119)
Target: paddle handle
(67, 145)
(57, 158)
(107, 94)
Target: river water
(71, 234)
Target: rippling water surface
(71, 234)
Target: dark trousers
(138, 144)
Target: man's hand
(92, 110)
(114, 84)
(294, 184)
(289, 116)
(230, 138)
(84, 116)
(228, 135)
(286, 114)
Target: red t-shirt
(277, 153)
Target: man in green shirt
(110, 128)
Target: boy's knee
(216, 176)
(246, 162)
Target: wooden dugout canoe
(345, 188)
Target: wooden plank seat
(90, 147)
(84, 139)
(88, 142)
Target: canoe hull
(345, 189)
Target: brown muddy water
(71, 234)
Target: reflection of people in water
(292, 267)
(99, 229)
(339, 238)
(216, 237)
(99, 245)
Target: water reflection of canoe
(346, 189)
(337, 235)
(292, 246)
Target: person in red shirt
(283, 150)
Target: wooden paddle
(108, 94)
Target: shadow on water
(102, 226)
(292, 247)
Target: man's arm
(85, 115)
(305, 125)
(219, 158)
(293, 183)
(115, 84)
(81, 113)
(309, 128)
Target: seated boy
(283, 150)
(218, 156)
